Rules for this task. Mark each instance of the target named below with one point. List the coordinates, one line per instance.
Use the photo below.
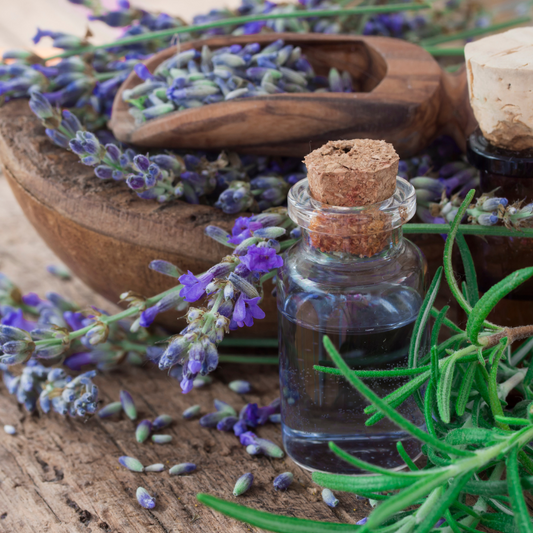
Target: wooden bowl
(402, 96)
(100, 229)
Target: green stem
(474, 32)
(445, 52)
(468, 229)
(250, 343)
(247, 359)
(235, 21)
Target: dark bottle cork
(354, 173)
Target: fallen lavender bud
(201, 381)
(162, 421)
(144, 498)
(240, 386)
(157, 467)
(364, 520)
(143, 431)
(59, 272)
(131, 463)
(329, 498)
(283, 481)
(110, 409)
(183, 468)
(243, 484)
(191, 412)
(10, 430)
(275, 418)
(128, 405)
(211, 420)
(161, 439)
(227, 423)
(224, 408)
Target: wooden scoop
(402, 96)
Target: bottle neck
(338, 252)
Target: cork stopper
(352, 173)
(500, 77)
(355, 173)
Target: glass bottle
(510, 175)
(367, 305)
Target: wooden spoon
(403, 96)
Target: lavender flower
(193, 287)
(243, 484)
(128, 405)
(131, 463)
(283, 481)
(246, 309)
(144, 498)
(261, 259)
(183, 468)
(329, 498)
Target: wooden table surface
(62, 475)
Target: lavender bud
(162, 421)
(161, 439)
(491, 204)
(211, 420)
(157, 467)
(364, 520)
(243, 286)
(131, 463)
(143, 431)
(227, 423)
(329, 498)
(240, 386)
(224, 407)
(269, 233)
(144, 498)
(183, 468)
(191, 412)
(253, 449)
(201, 381)
(270, 449)
(283, 481)
(487, 219)
(217, 234)
(243, 484)
(10, 430)
(275, 418)
(127, 404)
(211, 359)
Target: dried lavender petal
(329, 498)
(243, 484)
(144, 498)
(131, 463)
(128, 405)
(240, 386)
(191, 412)
(162, 421)
(183, 468)
(283, 481)
(143, 431)
(161, 439)
(157, 467)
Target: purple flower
(194, 288)
(246, 309)
(16, 319)
(242, 229)
(261, 259)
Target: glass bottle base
(311, 451)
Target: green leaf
(522, 352)
(464, 389)
(398, 396)
(487, 302)
(475, 436)
(429, 399)
(269, 521)
(444, 503)
(406, 457)
(398, 419)
(369, 467)
(405, 498)
(512, 421)
(518, 504)
(435, 372)
(529, 374)
(356, 484)
(494, 400)
(494, 488)
(448, 247)
(444, 387)
(470, 270)
(439, 319)
(419, 330)
(446, 322)
(398, 372)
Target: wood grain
(402, 96)
(100, 229)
